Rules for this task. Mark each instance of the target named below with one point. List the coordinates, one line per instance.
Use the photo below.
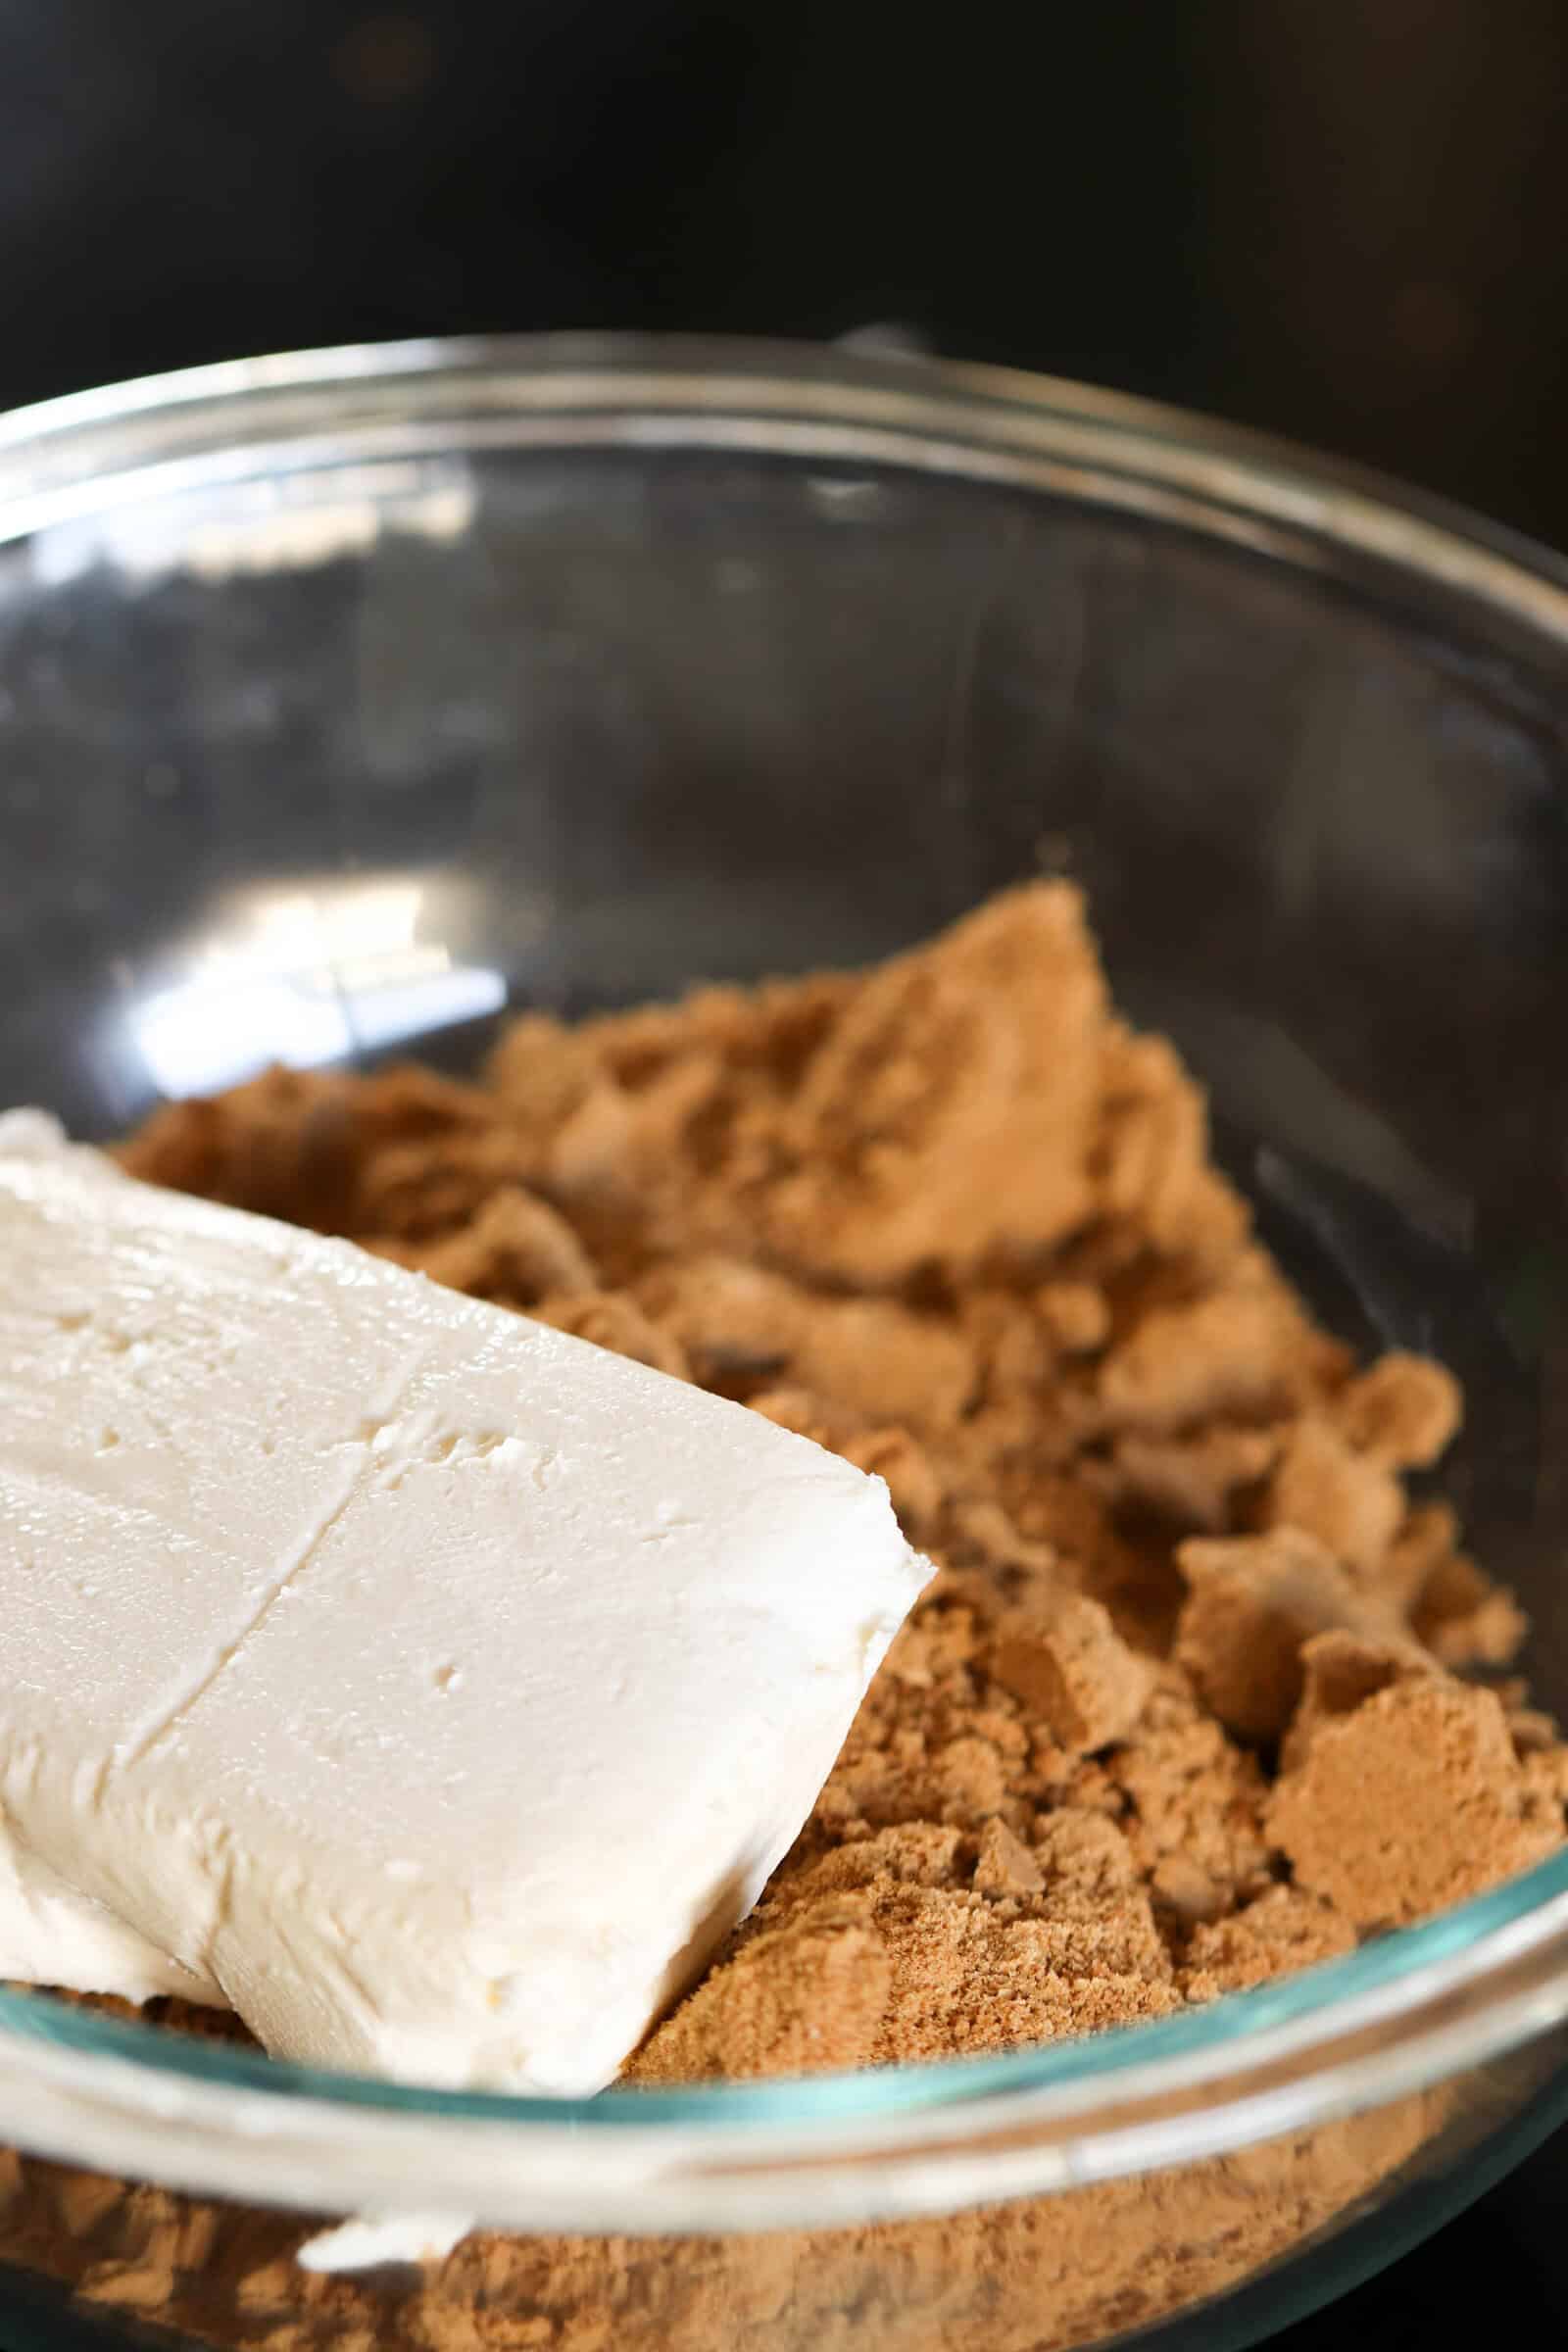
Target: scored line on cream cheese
(360, 1472)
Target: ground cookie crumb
(1184, 1709)
(953, 1219)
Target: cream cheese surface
(430, 1688)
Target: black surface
(1341, 222)
(1497, 2273)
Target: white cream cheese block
(430, 1688)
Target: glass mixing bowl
(345, 699)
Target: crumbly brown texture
(1037, 2275)
(1191, 1701)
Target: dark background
(1341, 219)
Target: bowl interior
(333, 736)
(343, 711)
(336, 751)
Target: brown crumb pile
(1181, 1709)
(1193, 1700)
(1040, 2275)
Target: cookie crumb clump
(1411, 1802)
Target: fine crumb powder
(1192, 1702)
(1037, 2275)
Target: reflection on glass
(307, 977)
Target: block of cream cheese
(430, 1688)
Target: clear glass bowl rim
(1402, 2013)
